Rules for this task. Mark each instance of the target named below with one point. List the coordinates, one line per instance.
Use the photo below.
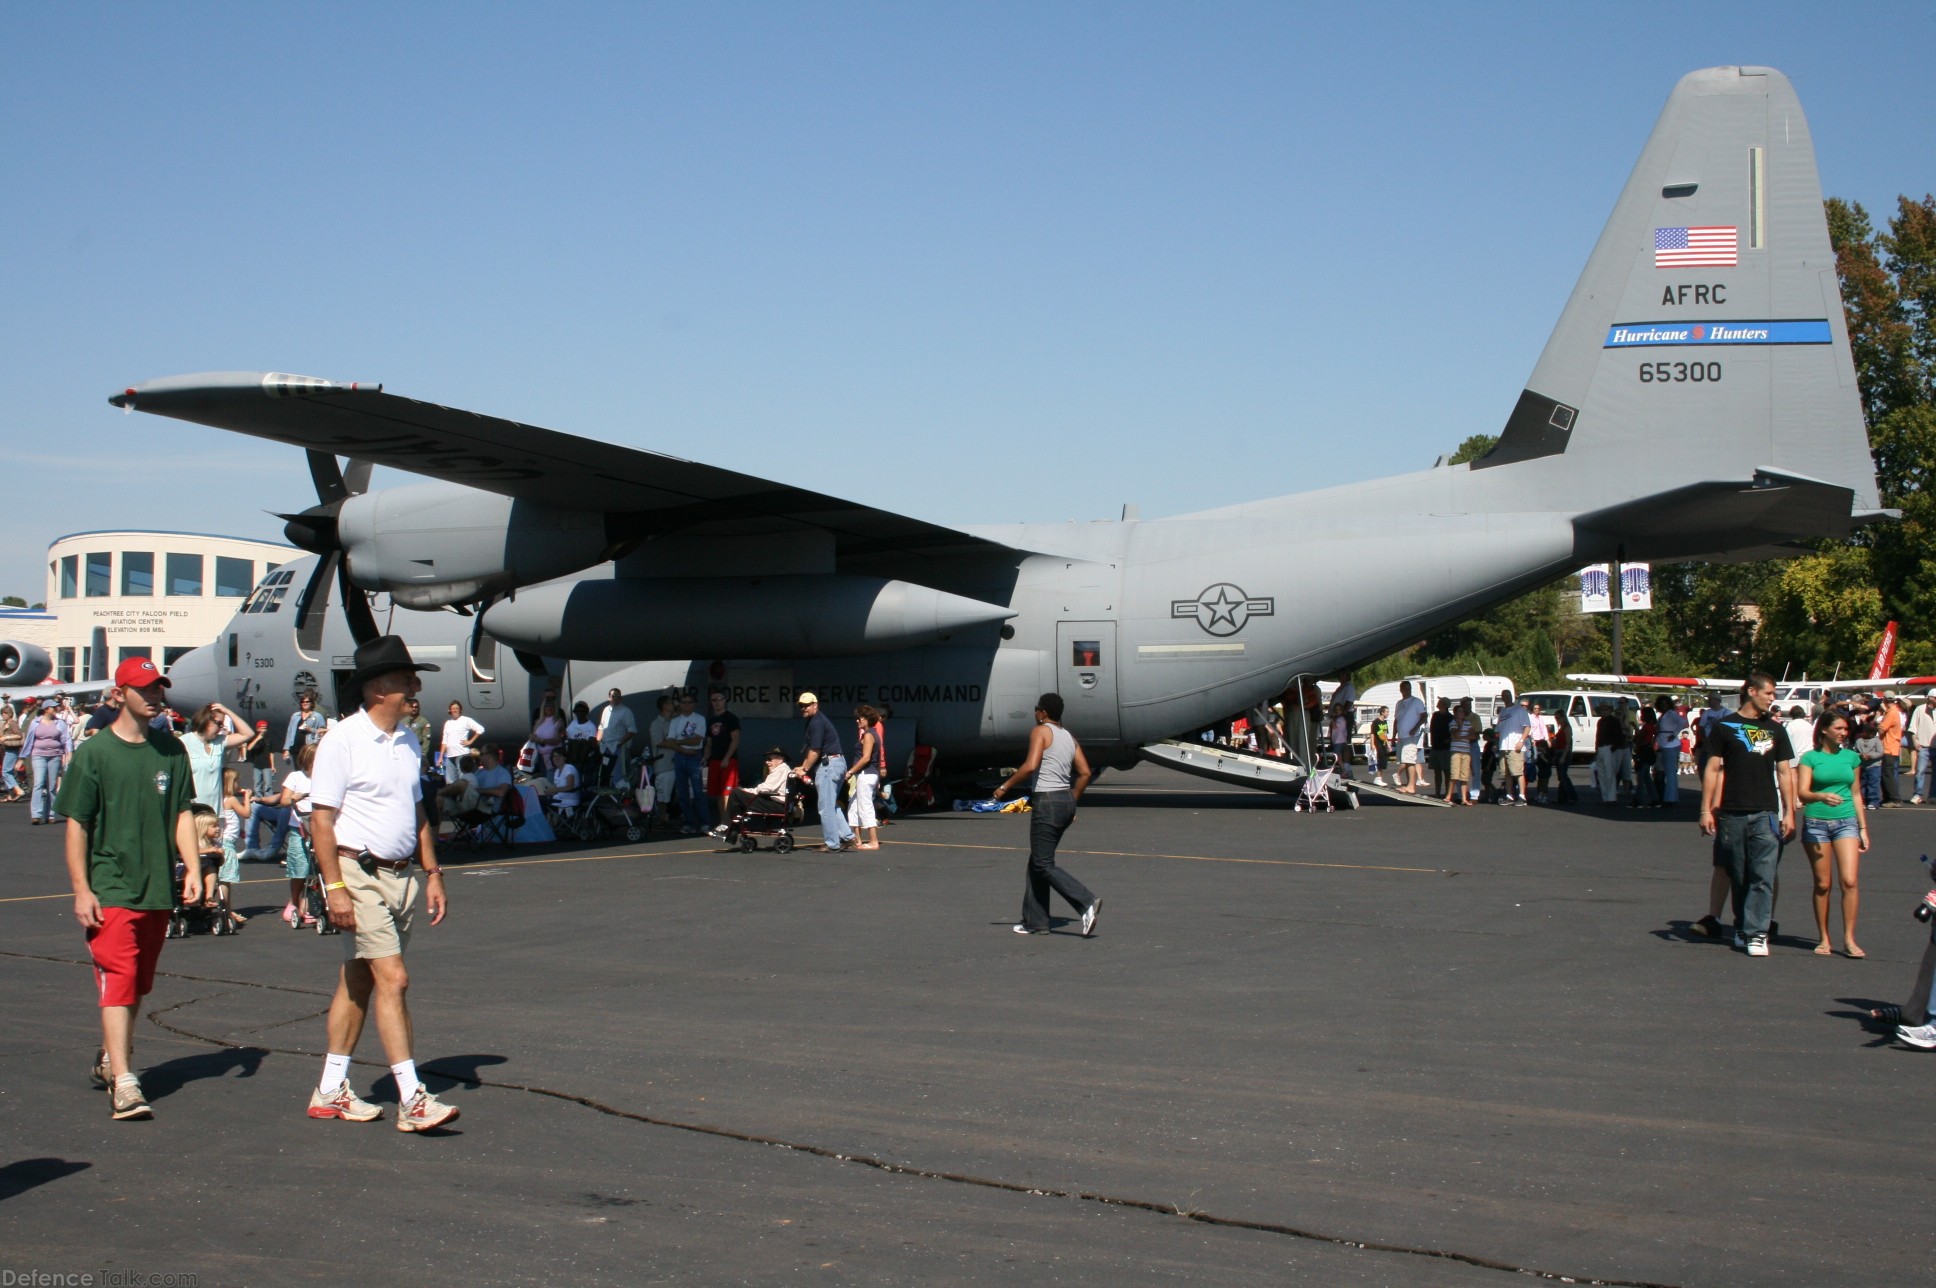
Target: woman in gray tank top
(1061, 773)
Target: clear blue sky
(977, 263)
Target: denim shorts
(1821, 830)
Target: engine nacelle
(813, 615)
(434, 544)
(23, 663)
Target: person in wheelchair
(767, 797)
(565, 782)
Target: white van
(1583, 708)
(1484, 690)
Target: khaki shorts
(1461, 767)
(1411, 753)
(1515, 764)
(384, 903)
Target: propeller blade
(357, 477)
(356, 606)
(311, 604)
(328, 477)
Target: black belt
(365, 860)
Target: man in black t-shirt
(1748, 805)
(105, 714)
(722, 754)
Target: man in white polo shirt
(367, 823)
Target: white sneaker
(1915, 800)
(424, 1111)
(1379, 779)
(1757, 945)
(1020, 929)
(342, 1103)
(1921, 1035)
(1089, 918)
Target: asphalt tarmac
(1395, 1046)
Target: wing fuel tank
(832, 615)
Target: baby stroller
(601, 813)
(766, 818)
(313, 906)
(198, 919)
(1314, 793)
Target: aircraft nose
(192, 682)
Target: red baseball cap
(138, 673)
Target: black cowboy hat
(381, 656)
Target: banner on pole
(1636, 588)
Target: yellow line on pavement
(1192, 858)
(458, 867)
(928, 845)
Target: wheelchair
(776, 820)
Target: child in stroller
(209, 916)
(763, 810)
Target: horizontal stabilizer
(1699, 520)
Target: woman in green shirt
(1834, 824)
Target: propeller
(315, 530)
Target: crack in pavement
(861, 1160)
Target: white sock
(406, 1075)
(128, 1079)
(336, 1071)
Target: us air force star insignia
(1223, 609)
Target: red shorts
(722, 776)
(125, 950)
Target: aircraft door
(480, 666)
(1085, 676)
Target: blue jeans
(1750, 846)
(1923, 775)
(265, 782)
(47, 776)
(826, 782)
(7, 762)
(276, 817)
(1872, 784)
(689, 789)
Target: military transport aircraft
(1696, 400)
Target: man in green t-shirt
(126, 798)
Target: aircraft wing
(664, 493)
(75, 689)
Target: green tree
(12, 601)
(1889, 294)
(1472, 449)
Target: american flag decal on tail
(1695, 247)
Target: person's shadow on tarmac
(164, 1080)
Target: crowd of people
(149, 810)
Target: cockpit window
(268, 595)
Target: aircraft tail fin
(1705, 339)
(1885, 659)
